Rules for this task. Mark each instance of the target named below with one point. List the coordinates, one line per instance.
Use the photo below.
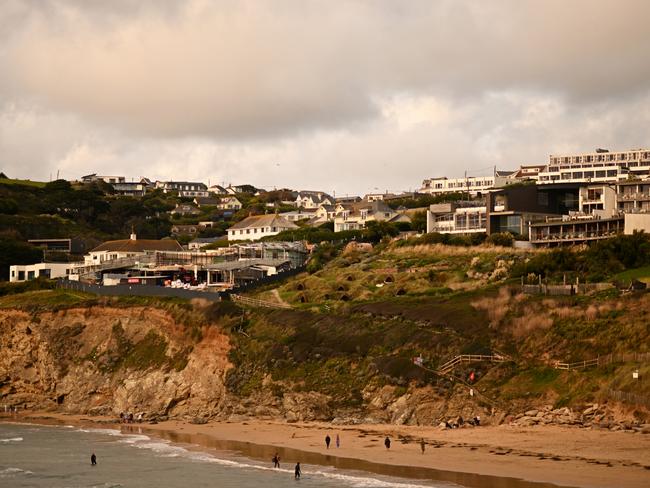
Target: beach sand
(481, 457)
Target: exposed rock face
(105, 360)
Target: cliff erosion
(102, 360)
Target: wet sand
(484, 457)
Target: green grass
(10, 181)
(46, 299)
(641, 274)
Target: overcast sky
(345, 96)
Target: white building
(599, 166)
(25, 272)
(258, 226)
(106, 179)
(474, 185)
(355, 216)
(313, 199)
(184, 188)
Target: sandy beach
(481, 457)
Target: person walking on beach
(297, 472)
(338, 441)
(422, 444)
(387, 443)
(276, 460)
(327, 441)
(93, 459)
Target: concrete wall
(638, 221)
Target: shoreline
(504, 456)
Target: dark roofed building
(128, 248)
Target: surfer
(93, 459)
(297, 471)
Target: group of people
(328, 440)
(128, 418)
(296, 471)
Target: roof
(206, 201)
(139, 245)
(268, 220)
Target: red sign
(134, 280)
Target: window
(21, 276)
(600, 174)
(611, 173)
(589, 174)
(30, 275)
(577, 174)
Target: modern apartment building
(184, 188)
(599, 166)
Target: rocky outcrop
(104, 360)
(593, 416)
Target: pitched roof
(139, 245)
(268, 220)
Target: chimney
(133, 236)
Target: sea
(33, 455)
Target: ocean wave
(12, 439)
(12, 472)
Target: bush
(505, 239)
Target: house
(257, 226)
(106, 179)
(185, 230)
(355, 216)
(347, 199)
(200, 242)
(299, 214)
(373, 197)
(185, 209)
(132, 188)
(313, 199)
(229, 203)
(25, 272)
(127, 248)
(217, 190)
(205, 202)
(234, 189)
(184, 188)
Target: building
(313, 199)
(574, 229)
(229, 203)
(206, 202)
(474, 185)
(217, 190)
(256, 227)
(184, 188)
(633, 196)
(299, 214)
(25, 272)
(132, 188)
(599, 166)
(128, 248)
(356, 215)
(457, 218)
(375, 197)
(106, 179)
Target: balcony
(628, 197)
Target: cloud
(365, 95)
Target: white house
(25, 272)
(355, 216)
(313, 199)
(229, 203)
(184, 188)
(257, 226)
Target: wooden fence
(255, 302)
(471, 358)
(629, 398)
(603, 360)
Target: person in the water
(93, 459)
(297, 471)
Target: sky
(348, 97)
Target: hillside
(331, 357)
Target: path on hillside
(277, 296)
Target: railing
(603, 360)
(137, 290)
(471, 358)
(568, 290)
(255, 302)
